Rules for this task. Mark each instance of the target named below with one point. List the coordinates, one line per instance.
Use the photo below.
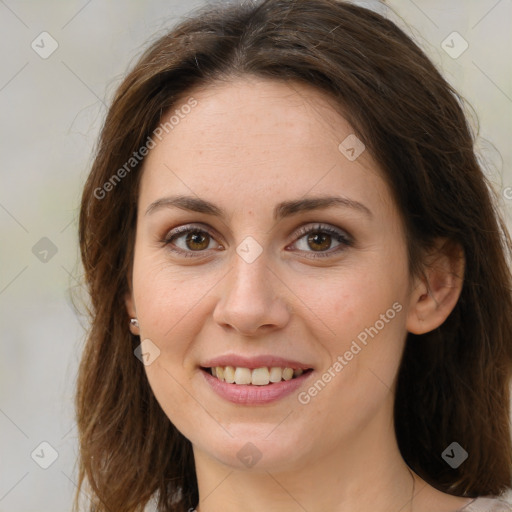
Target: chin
(248, 450)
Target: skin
(246, 146)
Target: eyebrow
(281, 210)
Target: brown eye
(187, 240)
(319, 241)
(197, 240)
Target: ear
(131, 310)
(436, 292)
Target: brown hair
(453, 383)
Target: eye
(187, 240)
(320, 239)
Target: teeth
(229, 374)
(260, 376)
(287, 374)
(257, 377)
(242, 376)
(276, 374)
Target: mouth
(262, 376)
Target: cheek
(364, 360)
(357, 298)
(166, 296)
(167, 304)
(366, 316)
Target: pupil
(197, 238)
(320, 239)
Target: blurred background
(60, 65)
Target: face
(268, 277)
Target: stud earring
(134, 322)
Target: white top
(487, 505)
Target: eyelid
(319, 226)
(185, 228)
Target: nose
(252, 300)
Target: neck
(365, 472)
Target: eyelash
(338, 235)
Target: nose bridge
(251, 295)
(251, 276)
(251, 268)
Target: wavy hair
(453, 382)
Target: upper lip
(261, 361)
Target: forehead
(252, 138)
(257, 115)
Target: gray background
(51, 112)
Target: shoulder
(487, 505)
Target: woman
(299, 282)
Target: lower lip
(254, 395)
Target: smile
(256, 377)
(257, 386)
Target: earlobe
(437, 291)
(132, 313)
